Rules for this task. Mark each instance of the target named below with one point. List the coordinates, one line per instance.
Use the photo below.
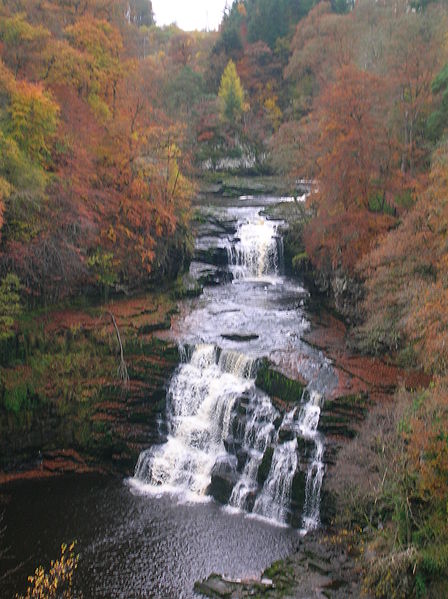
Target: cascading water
(273, 502)
(256, 251)
(201, 399)
(259, 431)
(221, 427)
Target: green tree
(231, 94)
(141, 13)
(9, 304)
(438, 119)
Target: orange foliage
(407, 274)
(340, 240)
(117, 195)
(352, 140)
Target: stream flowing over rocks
(227, 435)
(231, 476)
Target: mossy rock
(265, 466)
(341, 415)
(187, 292)
(276, 384)
(305, 447)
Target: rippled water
(134, 546)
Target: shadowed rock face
(84, 407)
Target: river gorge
(235, 480)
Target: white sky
(189, 14)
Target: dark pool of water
(132, 546)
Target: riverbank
(321, 568)
(64, 406)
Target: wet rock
(241, 456)
(212, 278)
(214, 586)
(242, 405)
(239, 338)
(214, 255)
(278, 422)
(232, 445)
(239, 425)
(265, 466)
(297, 498)
(306, 448)
(251, 498)
(285, 434)
(223, 479)
(277, 385)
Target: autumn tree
(413, 61)
(34, 120)
(322, 44)
(22, 41)
(352, 138)
(10, 307)
(231, 94)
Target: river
(156, 533)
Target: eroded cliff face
(72, 412)
(346, 293)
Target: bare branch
(122, 368)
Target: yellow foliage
(34, 117)
(58, 581)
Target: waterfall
(308, 423)
(201, 398)
(273, 502)
(259, 432)
(216, 416)
(226, 438)
(314, 479)
(257, 251)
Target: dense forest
(108, 123)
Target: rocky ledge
(320, 569)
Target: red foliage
(340, 240)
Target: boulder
(223, 479)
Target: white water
(273, 502)
(201, 398)
(258, 434)
(308, 423)
(256, 251)
(216, 416)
